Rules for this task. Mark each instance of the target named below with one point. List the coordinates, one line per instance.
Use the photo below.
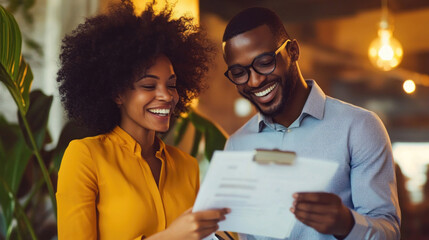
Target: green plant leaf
(214, 137)
(180, 129)
(215, 140)
(196, 144)
(29, 4)
(16, 151)
(31, 43)
(14, 5)
(37, 117)
(19, 82)
(2, 225)
(16, 154)
(16, 74)
(2, 148)
(10, 43)
(23, 7)
(14, 71)
(23, 221)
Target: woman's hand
(193, 226)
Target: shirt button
(289, 130)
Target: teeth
(160, 111)
(266, 91)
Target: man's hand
(324, 212)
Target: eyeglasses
(263, 64)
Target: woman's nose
(164, 93)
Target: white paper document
(259, 195)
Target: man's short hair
(253, 17)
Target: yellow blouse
(106, 190)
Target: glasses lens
(238, 74)
(265, 64)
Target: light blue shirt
(353, 137)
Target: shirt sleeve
(228, 145)
(197, 180)
(373, 184)
(77, 193)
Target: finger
(206, 227)
(214, 214)
(208, 224)
(316, 197)
(207, 231)
(189, 210)
(226, 210)
(203, 226)
(305, 216)
(312, 207)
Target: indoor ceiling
(309, 10)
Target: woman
(124, 76)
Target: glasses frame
(247, 68)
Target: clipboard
(274, 156)
(257, 185)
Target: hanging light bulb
(385, 52)
(409, 86)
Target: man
(294, 114)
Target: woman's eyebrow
(173, 76)
(149, 76)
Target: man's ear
(293, 50)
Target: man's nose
(255, 79)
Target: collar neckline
(314, 106)
(125, 139)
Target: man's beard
(288, 86)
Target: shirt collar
(314, 106)
(125, 139)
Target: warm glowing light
(385, 52)
(180, 8)
(242, 107)
(409, 86)
(194, 103)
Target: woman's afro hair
(100, 58)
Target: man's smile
(266, 91)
